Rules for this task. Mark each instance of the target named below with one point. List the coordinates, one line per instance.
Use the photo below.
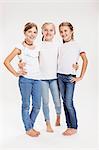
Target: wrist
(17, 74)
(81, 77)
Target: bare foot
(70, 131)
(66, 131)
(57, 121)
(37, 131)
(32, 133)
(49, 128)
(73, 131)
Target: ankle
(48, 123)
(58, 116)
(57, 120)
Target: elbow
(86, 61)
(5, 62)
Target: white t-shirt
(30, 57)
(69, 54)
(48, 59)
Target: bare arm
(9, 58)
(75, 66)
(83, 70)
(84, 65)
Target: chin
(31, 40)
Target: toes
(70, 131)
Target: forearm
(84, 67)
(10, 68)
(7, 62)
(83, 70)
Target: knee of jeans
(25, 106)
(69, 105)
(57, 103)
(36, 109)
(45, 103)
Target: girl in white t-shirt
(69, 53)
(29, 83)
(48, 67)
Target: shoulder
(19, 46)
(74, 43)
(80, 47)
(37, 46)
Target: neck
(67, 40)
(28, 43)
(48, 40)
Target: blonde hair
(69, 25)
(48, 23)
(30, 25)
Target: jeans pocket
(71, 76)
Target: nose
(33, 34)
(48, 32)
(62, 34)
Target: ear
(54, 31)
(24, 32)
(72, 32)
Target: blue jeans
(30, 87)
(67, 91)
(53, 86)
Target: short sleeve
(37, 48)
(40, 45)
(19, 46)
(81, 49)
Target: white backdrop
(84, 16)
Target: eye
(35, 32)
(29, 31)
(61, 32)
(45, 29)
(65, 30)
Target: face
(31, 34)
(48, 32)
(65, 33)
